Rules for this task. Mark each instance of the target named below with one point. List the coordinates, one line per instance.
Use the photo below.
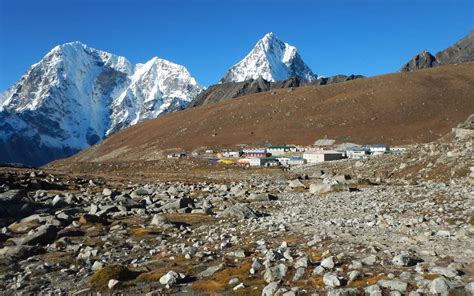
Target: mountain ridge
(460, 52)
(76, 95)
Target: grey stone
(328, 263)
(440, 286)
(369, 260)
(42, 235)
(404, 260)
(299, 273)
(331, 280)
(373, 290)
(169, 278)
(394, 284)
(211, 270)
(241, 211)
(270, 289)
(275, 273)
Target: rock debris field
(393, 225)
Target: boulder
(42, 235)
(331, 280)
(211, 270)
(394, 284)
(180, 203)
(13, 195)
(296, 184)
(440, 286)
(275, 273)
(328, 263)
(320, 188)
(262, 197)
(241, 211)
(270, 289)
(170, 278)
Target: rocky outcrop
(421, 61)
(461, 52)
(230, 90)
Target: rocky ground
(397, 225)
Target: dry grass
(141, 232)
(218, 283)
(101, 278)
(367, 281)
(192, 219)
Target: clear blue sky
(366, 37)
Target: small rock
(112, 283)
(328, 263)
(169, 279)
(331, 280)
(397, 285)
(440, 286)
(211, 270)
(275, 273)
(270, 289)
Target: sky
(368, 37)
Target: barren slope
(396, 109)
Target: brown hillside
(401, 108)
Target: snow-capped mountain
(272, 60)
(156, 87)
(76, 95)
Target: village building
(322, 156)
(255, 162)
(176, 155)
(244, 161)
(296, 161)
(232, 154)
(269, 161)
(209, 151)
(357, 153)
(397, 149)
(280, 150)
(377, 149)
(255, 153)
(283, 160)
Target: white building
(397, 149)
(296, 161)
(322, 156)
(377, 149)
(255, 162)
(280, 150)
(357, 153)
(231, 154)
(283, 160)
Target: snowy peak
(76, 95)
(156, 87)
(272, 60)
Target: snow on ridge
(272, 60)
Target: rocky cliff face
(230, 90)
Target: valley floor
(400, 225)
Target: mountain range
(76, 95)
